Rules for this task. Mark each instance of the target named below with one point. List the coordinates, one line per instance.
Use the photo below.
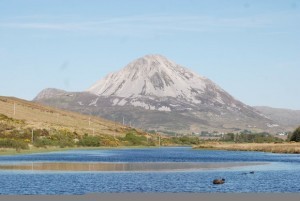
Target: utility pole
(14, 108)
(89, 121)
(32, 136)
(123, 121)
(159, 140)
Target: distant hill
(285, 117)
(37, 116)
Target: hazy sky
(249, 48)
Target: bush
(296, 135)
(11, 143)
(11, 120)
(40, 132)
(90, 141)
(43, 142)
(19, 134)
(62, 138)
(5, 127)
(133, 139)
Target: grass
(286, 147)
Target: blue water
(280, 174)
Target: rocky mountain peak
(152, 75)
(151, 62)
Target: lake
(172, 169)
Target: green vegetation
(296, 135)
(182, 140)
(13, 134)
(12, 143)
(11, 120)
(60, 138)
(250, 138)
(90, 141)
(132, 139)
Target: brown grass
(44, 117)
(264, 147)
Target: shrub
(43, 142)
(133, 139)
(11, 120)
(11, 143)
(62, 138)
(296, 135)
(41, 132)
(4, 127)
(90, 141)
(184, 140)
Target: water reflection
(121, 166)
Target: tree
(296, 135)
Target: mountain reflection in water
(166, 166)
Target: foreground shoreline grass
(286, 147)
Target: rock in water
(219, 181)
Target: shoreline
(33, 150)
(281, 148)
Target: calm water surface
(272, 172)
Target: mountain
(157, 77)
(285, 117)
(155, 93)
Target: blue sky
(249, 48)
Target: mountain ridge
(286, 117)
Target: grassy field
(43, 117)
(286, 147)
